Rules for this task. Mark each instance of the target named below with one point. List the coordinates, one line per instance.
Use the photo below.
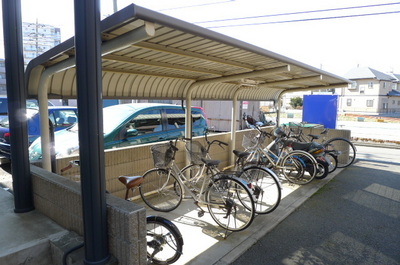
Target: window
(352, 85)
(398, 103)
(385, 106)
(349, 102)
(176, 118)
(371, 85)
(370, 103)
(146, 122)
(362, 89)
(63, 118)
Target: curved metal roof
(149, 55)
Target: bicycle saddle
(241, 154)
(131, 181)
(313, 136)
(301, 146)
(211, 163)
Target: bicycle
(164, 240)
(292, 164)
(228, 198)
(264, 184)
(343, 149)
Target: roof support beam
(138, 61)
(291, 82)
(267, 72)
(162, 48)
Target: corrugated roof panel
(179, 54)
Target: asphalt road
(354, 219)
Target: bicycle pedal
(200, 214)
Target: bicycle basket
(195, 151)
(295, 128)
(162, 155)
(250, 140)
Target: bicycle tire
(230, 203)
(323, 169)
(299, 167)
(265, 187)
(332, 161)
(345, 151)
(160, 190)
(164, 240)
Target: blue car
(62, 117)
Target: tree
(296, 102)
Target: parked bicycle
(341, 148)
(296, 166)
(264, 184)
(227, 197)
(164, 240)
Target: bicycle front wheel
(164, 241)
(265, 188)
(230, 203)
(344, 150)
(332, 161)
(160, 190)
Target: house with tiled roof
(372, 92)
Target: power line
(306, 19)
(297, 13)
(206, 4)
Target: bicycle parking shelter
(148, 55)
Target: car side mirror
(131, 133)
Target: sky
(340, 36)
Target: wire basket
(195, 151)
(294, 128)
(251, 140)
(162, 155)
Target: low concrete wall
(136, 160)
(60, 199)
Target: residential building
(371, 92)
(3, 87)
(38, 38)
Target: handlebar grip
(223, 143)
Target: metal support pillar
(89, 89)
(20, 167)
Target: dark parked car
(62, 117)
(130, 124)
(30, 104)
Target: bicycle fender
(166, 222)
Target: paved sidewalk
(205, 241)
(354, 219)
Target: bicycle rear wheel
(265, 188)
(160, 190)
(344, 150)
(230, 203)
(164, 241)
(299, 167)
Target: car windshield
(112, 117)
(4, 122)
